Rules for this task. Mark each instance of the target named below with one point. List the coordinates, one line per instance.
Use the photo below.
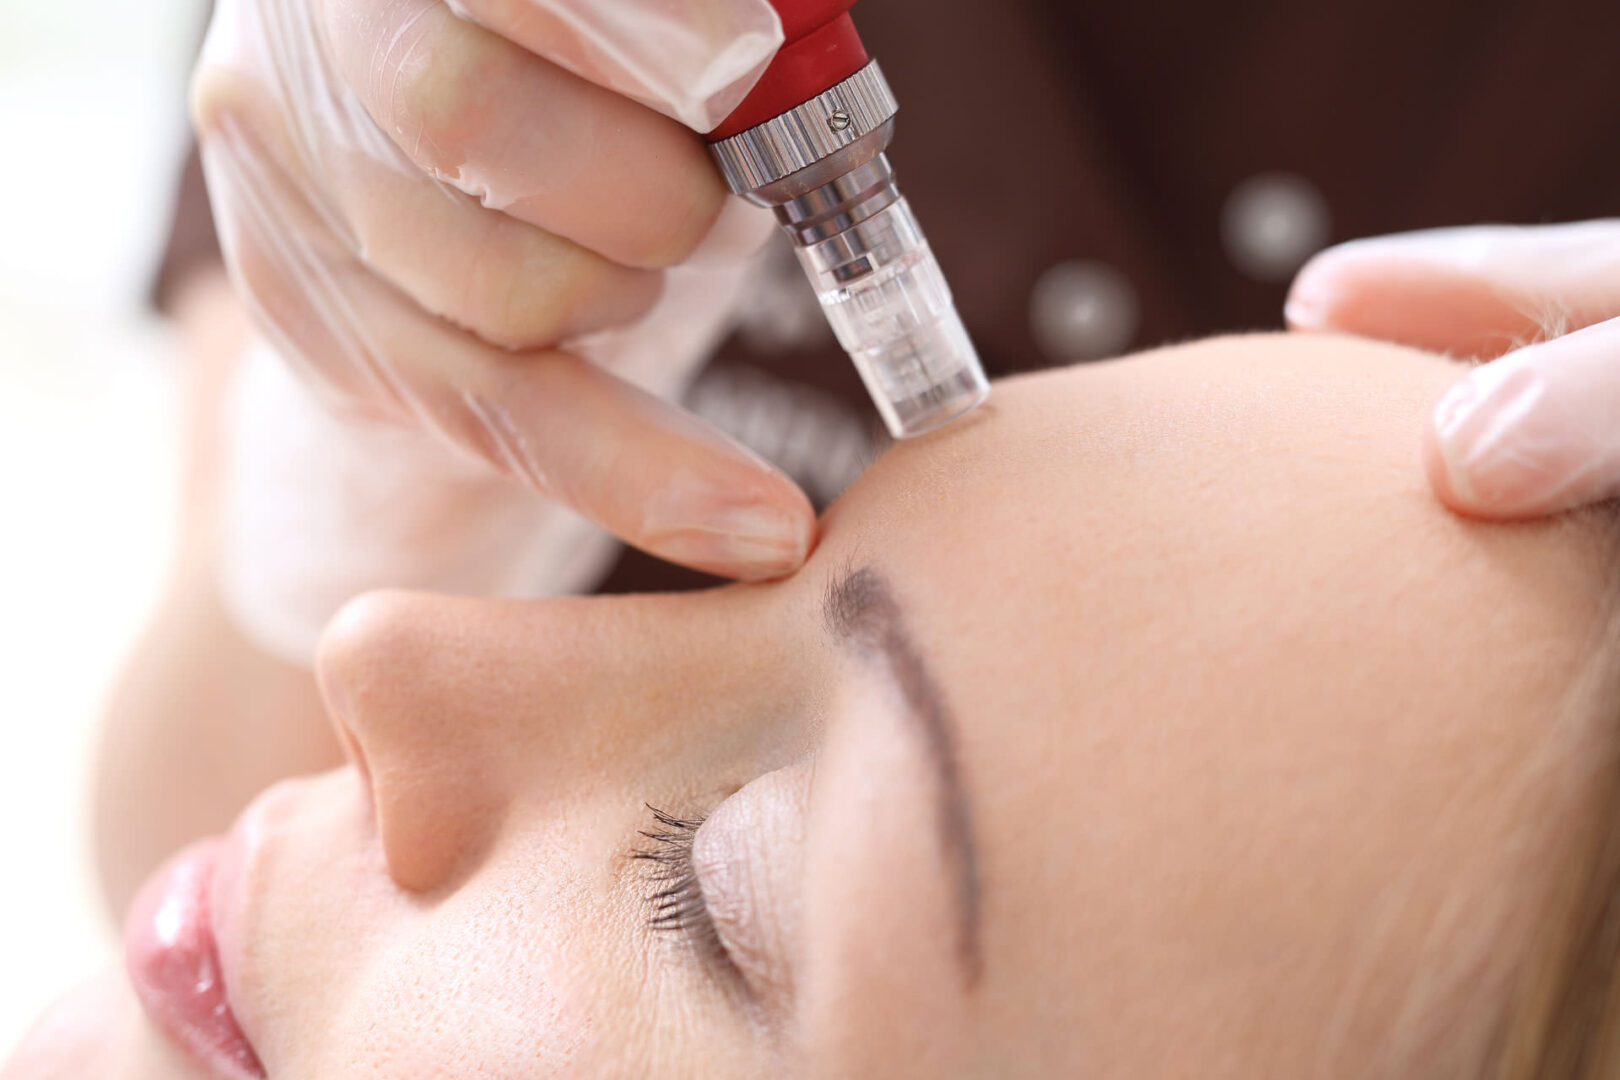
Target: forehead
(1225, 675)
(1231, 505)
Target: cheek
(486, 985)
(457, 1007)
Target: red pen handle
(820, 49)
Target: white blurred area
(92, 133)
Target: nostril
(334, 694)
(356, 755)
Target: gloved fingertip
(750, 537)
(1318, 290)
(1447, 479)
(1345, 286)
(1305, 313)
(1487, 450)
(760, 544)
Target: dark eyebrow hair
(860, 610)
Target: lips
(173, 962)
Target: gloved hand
(1536, 431)
(422, 201)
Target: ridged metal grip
(823, 169)
(799, 138)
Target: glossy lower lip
(173, 962)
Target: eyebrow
(860, 611)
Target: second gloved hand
(1537, 429)
(471, 221)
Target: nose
(457, 710)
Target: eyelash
(676, 900)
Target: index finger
(523, 135)
(693, 60)
(1478, 291)
(1534, 433)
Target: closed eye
(675, 903)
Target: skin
(1262, 753)
(1536, 435)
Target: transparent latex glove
(1537, 429)
(443, 226)
(308, 519)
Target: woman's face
(1153, 719)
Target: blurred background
(92, 133)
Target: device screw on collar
(802, 136)
(822, 167)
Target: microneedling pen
(809, 141)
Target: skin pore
(1154, 720)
